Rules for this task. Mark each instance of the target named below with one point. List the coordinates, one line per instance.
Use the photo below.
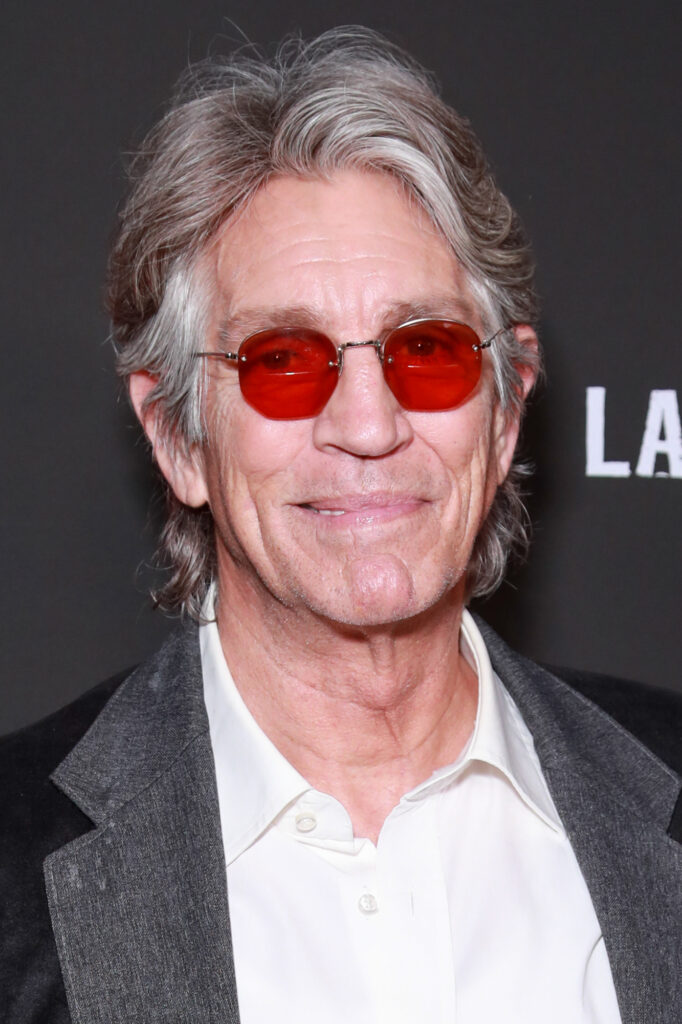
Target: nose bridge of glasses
(373, 343)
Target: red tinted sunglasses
(289, 373)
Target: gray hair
(347, 100)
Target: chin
(379, 608)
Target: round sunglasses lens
(287, 374)
(432, 365)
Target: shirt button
(368, 904)
(306, 822)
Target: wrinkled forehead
(351, 250)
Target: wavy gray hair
(348, 99)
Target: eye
(431, 344)
(287, 351)
(276, 360)
(422, 345)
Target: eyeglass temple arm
(216, 355)
(488, 342)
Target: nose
(362, 417)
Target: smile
(359, 510)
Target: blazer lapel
(139, 905)
(616, 801)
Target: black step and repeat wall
(579, 108)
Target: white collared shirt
(471, 908)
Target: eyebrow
(237, 326)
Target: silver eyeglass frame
(376, 343)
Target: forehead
(347, 248)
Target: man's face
(365, 514)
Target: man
(333, 794)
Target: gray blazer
(139, 905)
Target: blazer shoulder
(652, 714)
(36, 820)
(34, 751)
(36, 816)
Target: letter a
(662, 435)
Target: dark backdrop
(579, 108)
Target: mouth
(362, 509)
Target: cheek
(250, 457)
(463, 443)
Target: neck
(363, 714)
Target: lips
(359, 508)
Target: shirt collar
(266, 784)
(500, 737)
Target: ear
(507, 426)
(184, 471)
(526, 336)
